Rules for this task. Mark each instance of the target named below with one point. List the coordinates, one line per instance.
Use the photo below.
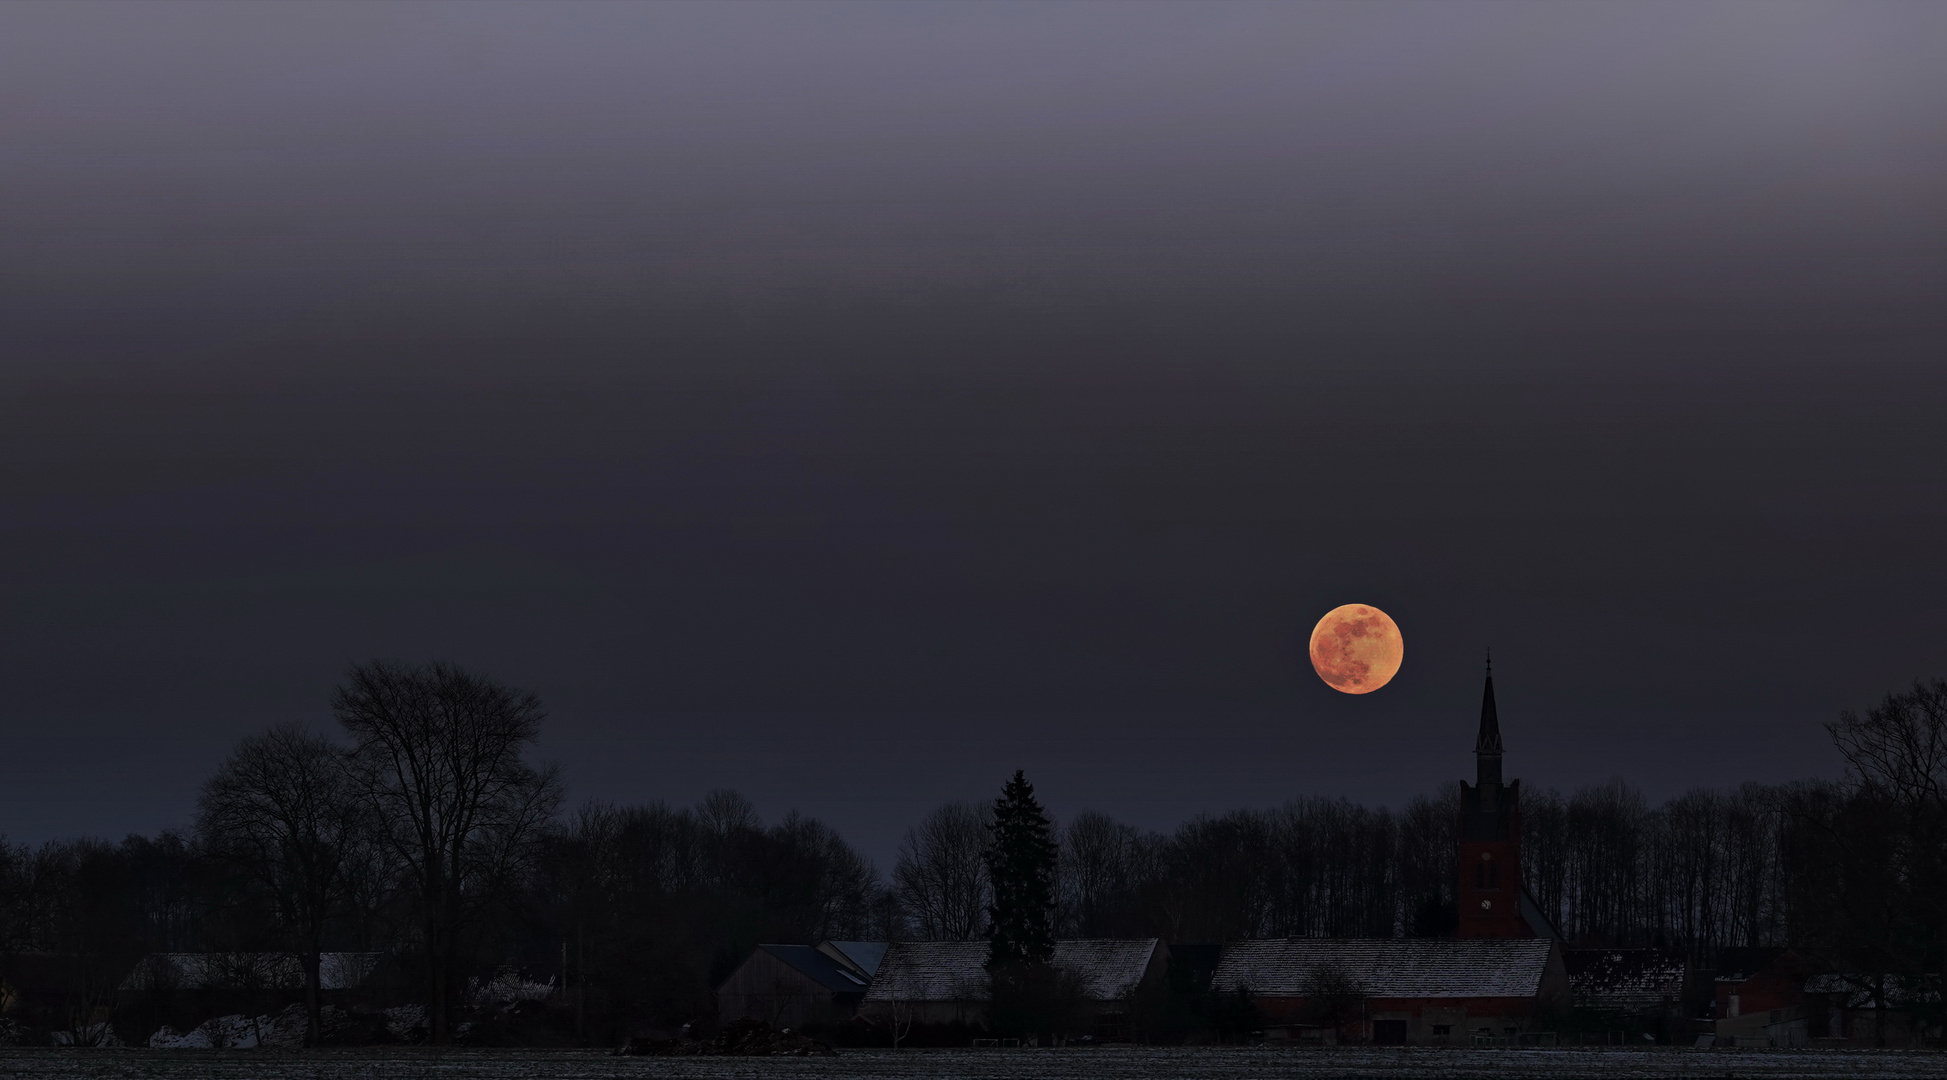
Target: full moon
(1356, 648)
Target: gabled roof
(1109, 968)
(1388, 967)
(931, 971)
(863, 955)
(822, 969)
(1626, 980)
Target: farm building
(1639, 991)
(945, 982)
(1760, 998)
(1629, 982)
(1399, 990)
(793, 986)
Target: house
(1760, 998)
(945, 982)
(1430, 991)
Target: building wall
(1109, 1018)
(766, 988)
(1428, 1021)
(1780, 988)
(1488, 895)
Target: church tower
(1489, 894)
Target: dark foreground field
(1100, 1064)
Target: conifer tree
(1021, 870)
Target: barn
(1634, 992)
(792, 986)
(1422, 991)
(945, 982)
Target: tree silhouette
(283, 808)
(1021, 862)
(440, 761)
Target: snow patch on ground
(406, 1023)
(93, 1035)
(236, 1032)
(509, 988)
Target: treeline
(1703, 871)
(426, 833)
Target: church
(1501, 979)
(1490, 896)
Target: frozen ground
(1073, 1064)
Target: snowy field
(1073, 1064)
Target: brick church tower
(1490, 893)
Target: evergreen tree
(1021, 870)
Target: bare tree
(284, 809)
(439, 758)
(1332, 995)
(1098, 860)
(1897, 752)
(941, 874)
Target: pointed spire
(1489, 741)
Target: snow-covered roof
(266, 971)
(1854, 990)
(1626, 980)
(1387, 967)
(1109, 968)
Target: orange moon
(1356, 648)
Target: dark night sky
(850, 404)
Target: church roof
(1489, 740)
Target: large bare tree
(941, 873)
(284, 809)
(1897, 752)
(441, 760)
